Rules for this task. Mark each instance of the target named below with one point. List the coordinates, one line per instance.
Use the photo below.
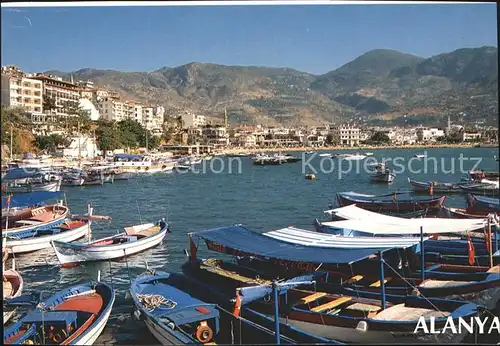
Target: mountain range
(380, 86)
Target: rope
(153, 301)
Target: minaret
(225, 118)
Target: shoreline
(363, 148)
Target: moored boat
(172, 309)
(421, 186)
(73, 316)
(382, 203)
(12, 286)
(134, 240)
(483, 204)
(382, 174)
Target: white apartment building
(113, 109)
(18, 90)
(347, 134)
(193, 120)
(60, 91)
(470, 136)
(247, 141)
(430, 134)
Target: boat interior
(34, 216)
(63, 321)
(130, 235)
(11, 283)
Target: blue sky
(314, 39)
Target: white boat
(141, 164)
(69, 231)
(383, 175)
(135, 239)
(419, 156)
(207, 158)
(309, 238)
(72, 181)
(325, 155)
(16, 187)
(369, 154)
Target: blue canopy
(239, 241)
(21, 173)
(27, 199)
(128, 156)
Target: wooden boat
(31, 216)
(119, 174)
(460, 213)
(484, 204)
(382, 203)
(134, 240)
(173, 311)
(420, 186)
(12, 286)
(69, 230)
(15, 187)
(94, 180)
(72, 180)
(383, 175)
(480, 289)
(479, 175)
(73, 316)
(481, 188)
(347, 318)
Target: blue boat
(482, 203)
(174, 316)
(74, 316)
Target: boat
(134, 240)
(74, 316)
(379, 203)
(484, 187)
(347, 318)
(72, 180)
(172, 308)
(309, 152)
(207, 158)
(15, 187)
(180, 168)
(325, 155)
(419, 156)
(30, 214)
(460, 213)
(369, 154)
(482, 203)
(420, 186)
(310, 176)
(351, 157)
(382, 174)
(141, 163)
(479, 175)
(12, 284)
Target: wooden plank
(331, 304)
(312, 297)
(354, 279)
(378, 283)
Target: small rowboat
(16, 187)
(135, 239)
(384, 204)
(421, 186)
(12, 287)
(483, 204)
(32, 219)
(73, 316)
(69, 230)
(173, 308)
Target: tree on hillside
(109, 138)
(380, 137)
(329, 138)
(51, 142)
(49, 103)
(78, 118)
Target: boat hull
(43, 242)
(42, 226)
(391, 205)
(73, 254)
(14, 277)
(25, 188)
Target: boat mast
(11, 141)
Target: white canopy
(377, 224)
(309, 238)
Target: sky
(313, 39)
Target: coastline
(363, 148)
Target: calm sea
(262, 198)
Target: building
(113, 109)
(346, 135)
(429, 134)
(470, 136)
(247, 141)
(193, 120)
(19, 90)
(82, 146)
(60, 91)
(217, 136)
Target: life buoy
(204, 333)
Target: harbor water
(262, 198)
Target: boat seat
(129, 230)
(150, 231)
(312, 297)
(495, 269)
(378, 283)
(355, 279)
(331, 305)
